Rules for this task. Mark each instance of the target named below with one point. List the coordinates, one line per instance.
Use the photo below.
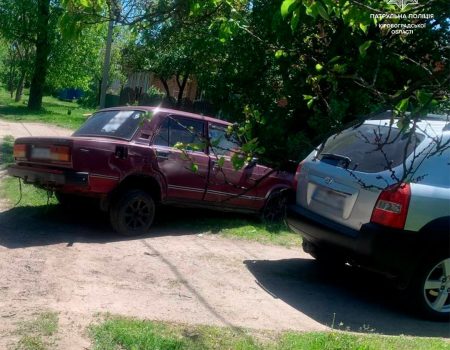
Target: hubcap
(437, 287)
(137, 214)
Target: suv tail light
(392, 205)
(297, 173)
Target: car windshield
(114, 124)
(369, 148)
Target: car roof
(433, 124)
(167, 111)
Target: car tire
(275, 208)
(430, 288)
(132, 213)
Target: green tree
(42, 43)
(311, 67)
(16, 26)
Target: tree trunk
(19, 90)
(166, 86)
(41, 61)
(106, 64)
(11, 74)
(181, 86)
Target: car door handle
(162, 154)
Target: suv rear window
(115, 124)
(369, 148)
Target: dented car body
(134, 150)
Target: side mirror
(252, 162)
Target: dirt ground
(73, 264)
(18, 129)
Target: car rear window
(369, 148)
(115, 124)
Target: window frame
(224, 127)
(170, 118)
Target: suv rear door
(182, 182)
(343, 179)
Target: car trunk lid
(55, 151)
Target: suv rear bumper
(391, 251)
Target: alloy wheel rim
(436, 289)
(137, 214)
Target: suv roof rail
(429, 116)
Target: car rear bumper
(395, 252)
(49, 177)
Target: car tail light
(60, 153)
(297, 173)
(20, 150)
(392, 206)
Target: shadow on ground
(346, 298)
(30, 226)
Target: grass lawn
(6, 151)
(54, 111)
(37, 333)
(127, 333)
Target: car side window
(222, 144)
(175, 130)
(186, 131)
(162, 138)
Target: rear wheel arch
(275, 202)
(147, 183)
(436, 235)
(285, 189)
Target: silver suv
(379, 197)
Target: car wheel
(431, 288)
(275, 208)
(132, 213)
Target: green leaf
(178, 145)
(323, 12)
(279, 54)
(402, 124)
(424, 98)
(364, 27)
(402, 106)
(307, 97)
(286, 7)
(238, 161)
(363, 48)
(334, 59)
(310, 103)
(194, 168)
(221, 162)
(319, 67)
(295, 19)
